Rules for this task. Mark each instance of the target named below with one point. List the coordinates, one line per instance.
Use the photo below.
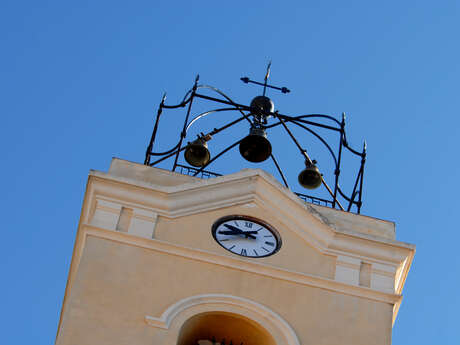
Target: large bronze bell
(255, 147)
(197, 153)
(310, 177)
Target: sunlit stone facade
(147, 270)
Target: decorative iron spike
(267, 75)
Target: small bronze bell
(255, 147)
(197, 153)
(262, 104)
(310, 177)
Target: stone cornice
(240, 264)
(249, 186)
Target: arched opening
(223, 327)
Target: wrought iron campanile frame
(306, 122)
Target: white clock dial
(246, 236)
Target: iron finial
(267, 75)
(283, 89)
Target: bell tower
(190, 257)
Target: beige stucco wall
(145, 262)
(118, 284)
(195, 231)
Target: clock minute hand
(231, 232)
(235, 231)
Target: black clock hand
(231, 227)
(248, 234)
(236, 231)
(232, 232)
(234, 228)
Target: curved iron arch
(302, 121)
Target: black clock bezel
(254, 220)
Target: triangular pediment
(315, 235)
(182, 195)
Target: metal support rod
(154, 133)
(302, 151)
(217, 130)
(182, 135)
(245, 107)
(319, 138)
(213, 132)
(167, 156)
(307, 158)
(279, 170)
(345, 144)
(353, 194)
(310, 122)
(209, 98)
(337, 169)
(239, 106)
(217, 156)
(363, 161)
(165, 152)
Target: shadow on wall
(223, 328)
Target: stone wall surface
(118, 285)
(145, 263)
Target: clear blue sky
(80, 81)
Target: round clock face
(246, 236)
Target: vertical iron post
(353, 194)
(182, 135)
(154, 133)
(337, 167)
(363, 161)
